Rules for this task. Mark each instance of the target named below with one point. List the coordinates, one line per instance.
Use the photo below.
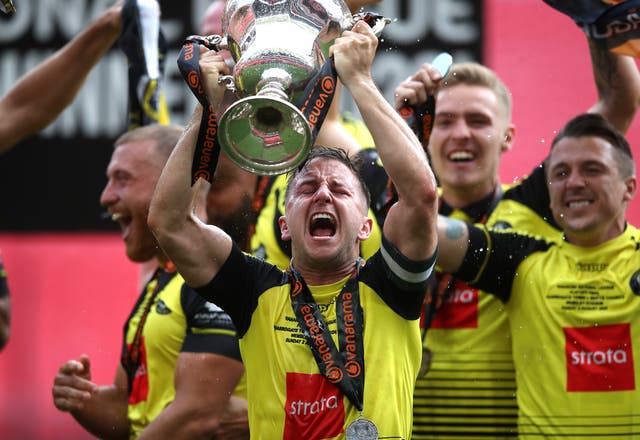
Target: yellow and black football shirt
(288, 396)
(574, 316)
(470, 389)
(175, 319)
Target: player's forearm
(44, 92)
(105, 414)
(399, 148)
(171, 205)
(617, 80)
(178, 422)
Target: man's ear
(365, 229)
(284, 228)
(631, 188)
(508, 138)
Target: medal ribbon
(318, 96)
(131, 357)
(343, 368)
(205, 158)
(420, 119)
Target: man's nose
(322, 193)
(460, 129)
(108, 195)
(575, 179)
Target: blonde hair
(165, 137)
(474, 74)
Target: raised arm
(44, 92)
(411, 222)
(198, 250)
(617, 80)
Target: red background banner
(71, 292)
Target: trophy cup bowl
(277, 46)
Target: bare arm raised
(617, 80)
(410, 224)
(44, 92)
(198, 250)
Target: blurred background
(71, 284)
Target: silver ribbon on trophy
(278, 47)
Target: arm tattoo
(455, 229)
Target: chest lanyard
(131, 358)
(344, 367)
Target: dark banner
(52, 181)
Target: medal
(362, 429)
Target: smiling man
(330, 342)
(180, 361)
(573, 305)
(467, 341)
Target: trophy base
(264, 135)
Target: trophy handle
(215, 43)
(230, 83)
(376, 21)
(211, 42)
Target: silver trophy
(277, 46)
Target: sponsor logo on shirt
(210, 315)
(314, 408)
(459, 308)
(599, 358)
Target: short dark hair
(595, 125)
(354, 163)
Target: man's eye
(478, 122)
(559, 175)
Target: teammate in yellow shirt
(469, 390)
(573, 305)
(180, 358)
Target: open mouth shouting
(322, 224)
